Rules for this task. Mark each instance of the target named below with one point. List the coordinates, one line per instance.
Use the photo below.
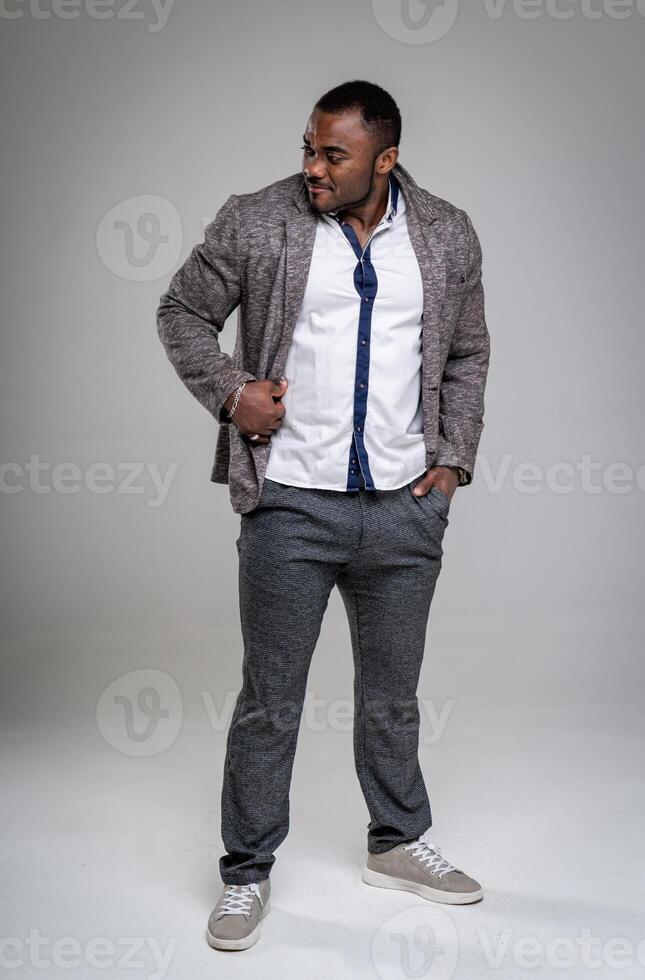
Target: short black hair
(378, 109)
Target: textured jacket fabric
(255, 257)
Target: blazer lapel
(428, 248)
(299, 243)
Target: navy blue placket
(366, 285)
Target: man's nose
(315, 168)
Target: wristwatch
(463, 476)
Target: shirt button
(363, 342)
(361, 385)
(359, 428)
(353, 472)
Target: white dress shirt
(353, 412)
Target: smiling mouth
(315, 189)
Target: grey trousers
(383, 550)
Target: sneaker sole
(244, 942)
(425, 891)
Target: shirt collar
(393, 198)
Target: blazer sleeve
(193, 311)
(461, 395)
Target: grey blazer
(255, 257)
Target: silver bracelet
(236, 400)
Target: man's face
(338, 161)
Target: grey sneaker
(419, 867)
(234, 923)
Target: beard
(354, 196)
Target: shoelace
(428, 854)
(238, 899)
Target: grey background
(533, 126)
(121, 647)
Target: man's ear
(387, 160)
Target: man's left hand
(446, 478)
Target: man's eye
(307, 149)
(332, 158)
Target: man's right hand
(259, 410)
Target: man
(350, 411)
